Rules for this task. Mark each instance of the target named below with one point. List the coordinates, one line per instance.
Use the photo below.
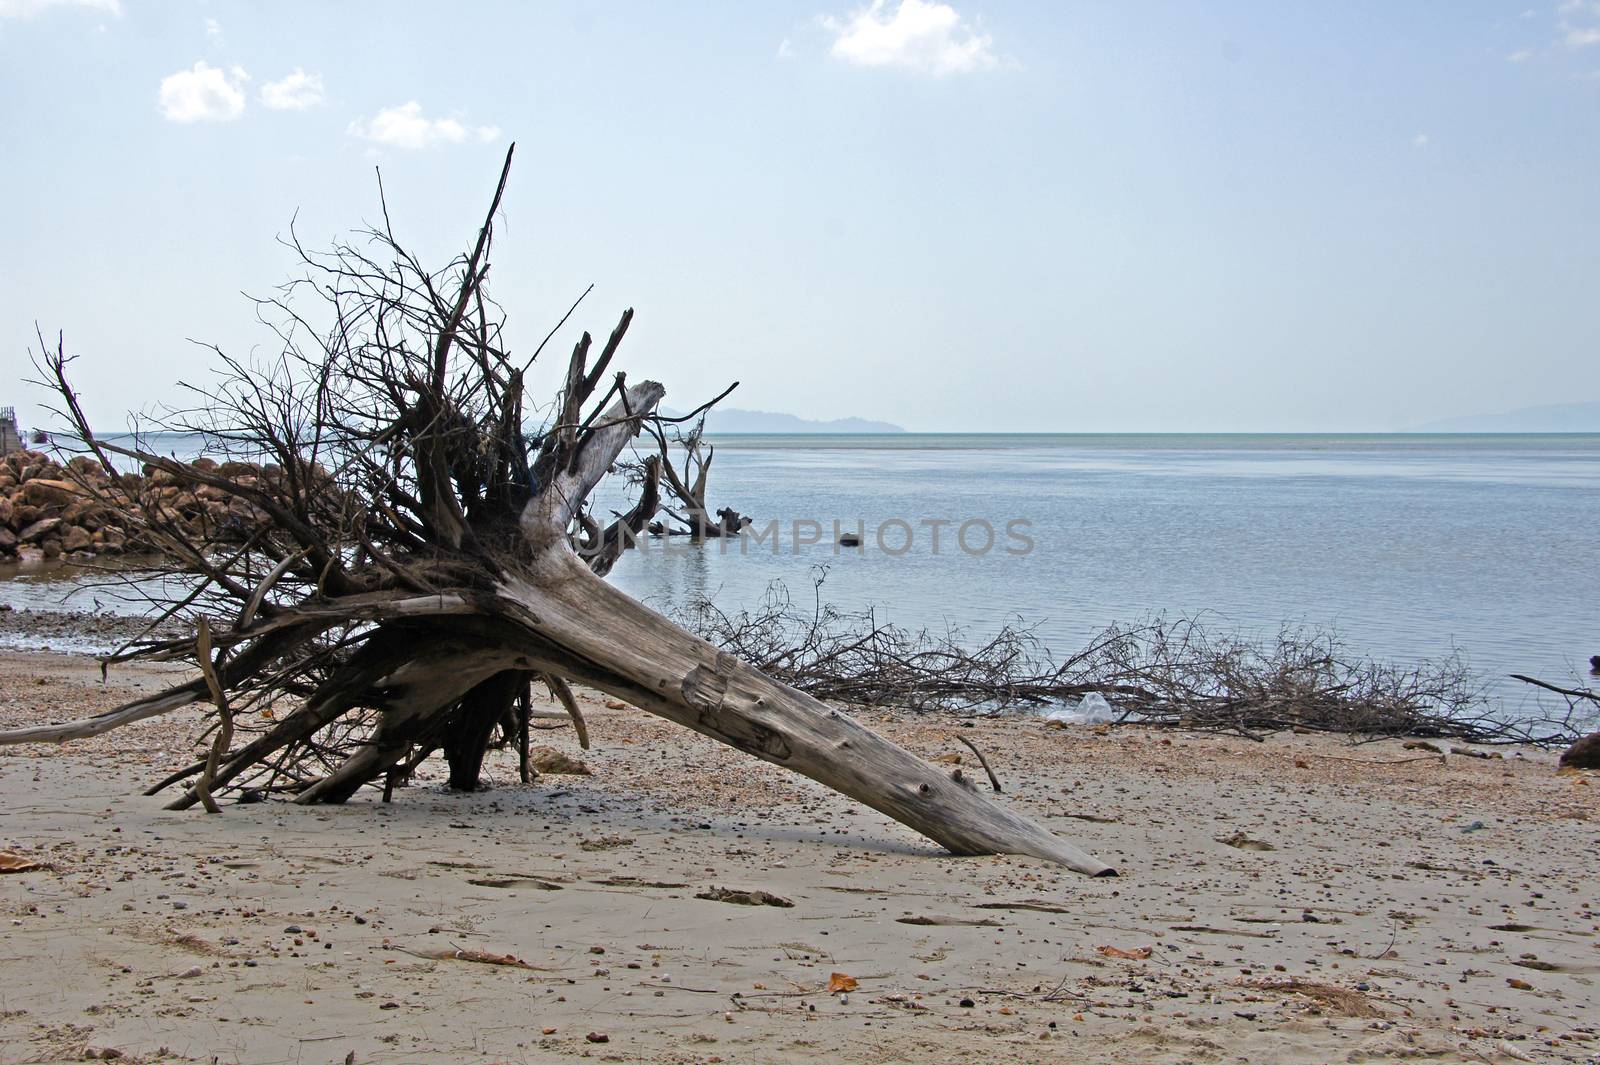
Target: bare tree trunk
(601, 637)
(482, 710)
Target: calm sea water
(1410, 546)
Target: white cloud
(213, 29)
(1420, 140)
(916, 34)
(1521, 55)
(407, 127)
(1579, 22)
(296, 92)
(785, 49)
(29, 8)
(203, 94)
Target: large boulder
(158, 477)
(38, 530)
(76, 538)
(43, 492)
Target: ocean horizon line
(1363, 434)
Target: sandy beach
(1151, 533)
(1409, 906)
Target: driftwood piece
(994, 781)
(219, 699)
(569, 703)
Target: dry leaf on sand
(841, 982)
(549, 760)
(1137, 953)
(16, 863)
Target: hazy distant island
(1550, 418)
(734, 420)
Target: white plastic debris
(1092, 709)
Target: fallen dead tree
(420, 560)
(1161, 673)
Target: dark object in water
(1585, 754)
(849, 540)
(1594, 665)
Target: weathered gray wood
(616, 644)
(548, 514)
(290, 633)
(569, 703)
(437, 677)
(84, 728)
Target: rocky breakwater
(78, 511)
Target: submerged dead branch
(686, 482)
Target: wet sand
(1411, 906)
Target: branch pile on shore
(1161, 672)
(80, 511)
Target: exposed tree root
(417, 560)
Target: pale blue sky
(997, 215)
